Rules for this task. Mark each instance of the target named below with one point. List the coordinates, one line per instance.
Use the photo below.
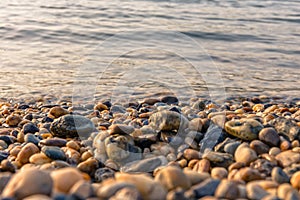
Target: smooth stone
(196, 177)
(100, 107)
(104, 173)
(259, 147)
(29, 137)
(168, 121)
(244, 129)
(28, 150)
(7, 165)
(169, 100)
(284, 189)
(218, 159)
(255, 191)
(145, 165)
(247, 174)
(121, 129)
(231, 147)
(213, 136)
(287, 158)
(245, 154)
(286, 127)
(295, 180)
(196, 124)
(64, 179)
(172, 177)
(205, 188)
(219, 173)
(117, 109)
(71, 126)
(89, 166)
(13, 120)
(199, 105)
(39, 159)
(149, 188)
(279, 176)
(3, 155)
(264, 166)
(127, 193)
(30, 128)
(72, 144)
(227, 190)
(82, 189)
(8, 139)
(4, 179)
(59, 142)
(38, 197)
(58, 111)
(54, 153)
(110, 187)
(202, 165)
(269, 136)
(28, 182)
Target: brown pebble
(295, 180)
(285, 145)
(227, 190)
(219, 172)
(190, 154)
(83, 189)
(74, 145)
(57, 112)
(236, 165)
(195, 177)
(7, 165)
(86, 155)
(89, 166)
(100, 107)
(39, 159)
(287, 158)
(248, 174)
(28, 150)
(121, 129)
(13, 120)
(269, 136)
(274, 151)
(202, 165)
(196, 124)
(245, 154)
(259, 147)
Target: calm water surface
(141, 48)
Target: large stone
(71, 126)
(205, 188)
(287, 158)
(168, 121)
(286, 127)
(245, 154)
(28, 182)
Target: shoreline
(153, 148)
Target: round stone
(219, 172)
(227, 190)
(70, 126)
(30, 128)
(13, 120)
(28, 150)
(28, 182)
(269, 136)
(121, 129)
(245, 154)
(244, 129)
(170, 100)
(295, 180)
(279, 175)
(58, 111)
(54, 153)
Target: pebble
(269, 136)
(205, 188)
(245, 154)
(104, 173)
(255, 192)
(169, 100)
(231, 147)
(247, 174)
(72, 126)
(259, 147)
(202, 165)
(89, 166)
(196, 124)
(28, 150)
(29, 137)
(168, 121)
(39, 159)
(13, 120)
(83, 189)
(196, 177)
(64, 179)
(100, 107)
(57, 112)
(218, 159)
(279, 176)
(59, 142)
(219, 173)
(37, 197)
(286, 127)
(244, 129)
(295, 180)
(287, 158)
(28, 182)
(227, 190)
(121, 129)
(30, 128)
(172, 177)
(149, 188)
(54, 153)
(72, 144)
(212, 137)
(110, 187)
(127, 193)
(4, 179)
(145, 165)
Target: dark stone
(23, 106)
(55, 153)
(286, 127)
(117, 109)
(170, 100)
(8, 139)
(212, 137)
(59, 142)
(3, 155)
(32, 138)
(175, 109)
(205, 188)
(30, 128)
(28, 116)
(103, 173)
(47, 119)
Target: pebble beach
(155, 148)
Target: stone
(283, 190)
(110, 187)
(74, 145)
(30, 128)
(100, 107)
(259, 147)
(13, 120)
(219, 173)
(286, 127)
(28, 182)
(59, 142)
(287, 158)
(4, 179)
(104, 173)
(149, 188)
(245, 154)
(227, 190)
(169, 100)
(7, 165)
(255, 192)
(231, 147)
(89, 166)
(172, 177)
(263, 165)
(7, 139)
(54, 153)
(117, 109)
(121, 129)
(244, 129)
(168, 121)
(72, 126)
(196, 124)
(28, 150)
(279, 176)
(37, 197)
(39, 159)
(127, 193)
(65, 178)
(247, 174)
(199, 105)
(295, 180)
(145, 165)
(195, 177)
(58, 111)
(269, 136)
(205, 188)
(218, 159)
(213, 136)
(202, 165)
(82, 189)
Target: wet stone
(244, 129)
(54, 153)
(145, 165)
(30, 128)
(70, 126)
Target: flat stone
(205, 188)
(244, 129)
(172, 177)
(170, 100)
(218, 159)
(28, 182)
(168, 121)
(145, 165)
(54, 153)
(59, 142)
(213, 136)
(71, 126)
(287, 158)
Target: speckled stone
(244, 129)
(286, 127)
(218, 159)
(70, 126)
(287, 158)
